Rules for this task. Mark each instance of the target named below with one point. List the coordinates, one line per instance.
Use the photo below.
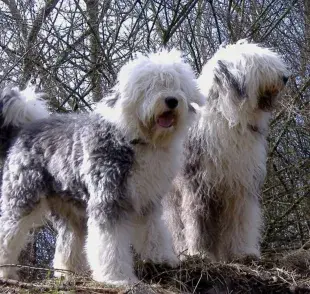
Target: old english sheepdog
(214, 206)
(102, 175)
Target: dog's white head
(154, 96)
(243, 79)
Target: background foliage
(73, 49)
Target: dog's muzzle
(168, 118)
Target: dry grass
(273, 274)
(201, 276)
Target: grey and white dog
(214, 206)
(101, 174)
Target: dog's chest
(152, 177)
(239, 164)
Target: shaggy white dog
(101, 175)
(214, 206)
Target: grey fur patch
(224, 72)
(48, 159)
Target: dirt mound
(289, 274)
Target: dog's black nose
(285, 79)
(171, 102)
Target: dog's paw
(171, 260)
(64, 275)
(9, 273)
(116, 280)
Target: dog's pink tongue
(165, 120)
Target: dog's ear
(226, 75)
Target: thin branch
(20, 22)
(32, 38)
(216, 22)
(178, 21)
(278, 21)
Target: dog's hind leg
(70, 245)
(14, 229)
(22, 206)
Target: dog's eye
(266, 98)
(285, 79)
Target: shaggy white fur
(143, 85)
(214, 206)
(107, 172)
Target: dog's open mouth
(166, 120)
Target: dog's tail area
(19, 107)
(16, 109)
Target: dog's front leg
(108, 251)
(157, 244)
(245, 237)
